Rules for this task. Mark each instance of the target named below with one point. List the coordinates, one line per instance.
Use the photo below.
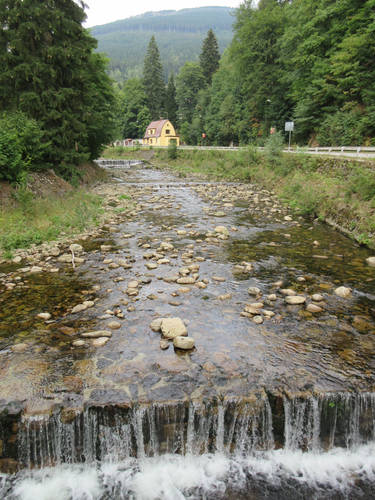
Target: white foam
(175, 477)
(60, 483)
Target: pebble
(114, 325)
(97, 334)
(45, 316)
(343, 291)
(164, 344)
(317, 297)
(313, 308)
(295, 300)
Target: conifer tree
(210, 56)
(153, 80)
(50, 73)
(170, 101)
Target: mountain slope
(179, 35)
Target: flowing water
(282, 409)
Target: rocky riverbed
(190, 291)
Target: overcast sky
(106, 11)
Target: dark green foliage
(22, 146)
(179, 35)
(134, 113)
(153, 80)
(50, 73)
(170, 101)
(190, 81)
(210, 56)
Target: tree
(210, 56)
(190, 81)
(50, 73)
(170, 101)
(134, 113)
(153, 80)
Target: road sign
(289, 126)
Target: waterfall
(113, 434)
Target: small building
(160, 133)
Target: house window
(167, 132)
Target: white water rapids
(175, 477)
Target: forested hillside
(311, 61)
(179, 35)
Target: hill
(179, 35)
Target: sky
(106, 11)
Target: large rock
(343, 291)
(371, 261)
(173, 327)
(185, 343)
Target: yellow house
(160, 133)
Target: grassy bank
(46, 208)
(339, 191)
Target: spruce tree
(210, 56)
(170, 101)
(153, 80)
(50, 73)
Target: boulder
(173, 327)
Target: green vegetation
(51, 75)
(179, 35)
(37, 220)
(210, 56)
(153, 80)
(340, 191)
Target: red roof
(158, 125)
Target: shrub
(21, 146)
(274, 146)
(172, 150)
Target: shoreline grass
(338, 191)
(37, 220)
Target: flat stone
(97, 334)
(219, 279)
(173, 327)
(295, 300)
(186, 281)
(114, 325)
(288, 291)
(100, 342)
(313, 308)
(343, 292)
(185, 343)
(79, 343)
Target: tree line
(307, 61)
(56, 100)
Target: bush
(172, 150)
(274, 146)
(21, 146)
